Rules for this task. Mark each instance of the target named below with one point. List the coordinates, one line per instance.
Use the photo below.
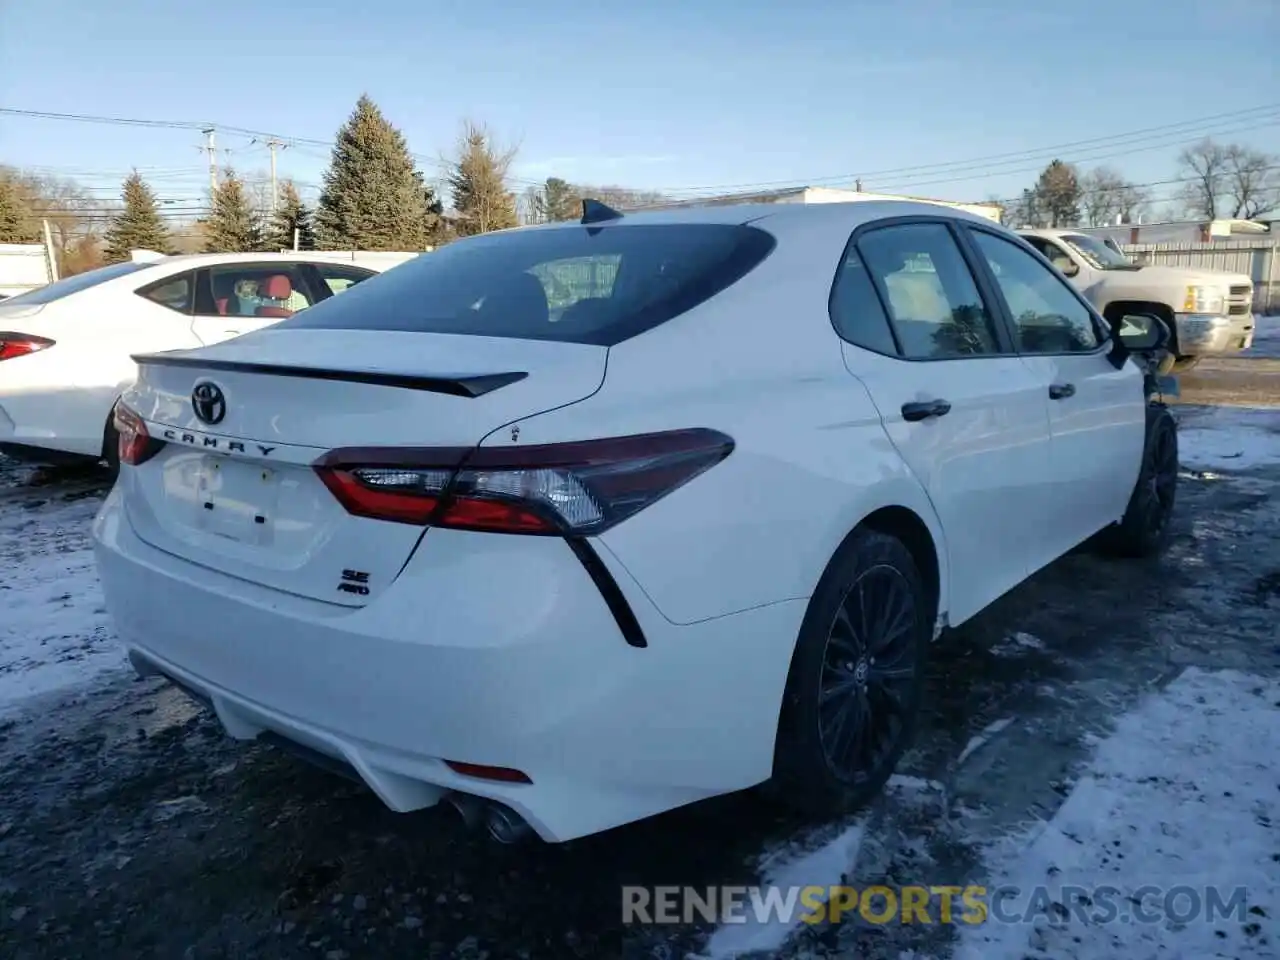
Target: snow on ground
(54, 632)
(1184, 793)
(976, 743)
(1229, 438)
(822, 864)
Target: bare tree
(620, 198)
(1133, 203)
(1023, 211)
(532, 205)
(1204, 166)
(1106, 198)
(1252, 185)
(1100, 195)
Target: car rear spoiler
(456, 385)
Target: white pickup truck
(1207, 311)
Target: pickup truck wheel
(1147, 522)
(853, 694)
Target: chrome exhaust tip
(505, 825)
(468, 807)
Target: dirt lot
(131, 827)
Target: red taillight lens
(135, 444)
(20, 344)
(573, 489)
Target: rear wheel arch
(908, 527)
(797, 778)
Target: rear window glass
(81, 281)
(597, 285)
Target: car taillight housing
(20, 344)
(135, 445)
(557, 489)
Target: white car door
(968, 416)
(1097, 413)
(236, 298)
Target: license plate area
(236, 500)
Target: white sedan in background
(66, 348)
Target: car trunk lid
(236, 491)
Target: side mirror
(1143, 332)
(1069, 268)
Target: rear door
(236, 298)
(1096, 412)
(967, 414)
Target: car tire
(846, 719)
(1147, 524)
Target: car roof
(1047, 232)
(852, 213)
(293, 256)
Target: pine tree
(232, 226)
(478, 179)
(16, 223)
(138, 225)
(435, 228)
(373, 197)
(1058, 194)
(560, 200)
(291, 214)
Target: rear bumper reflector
(484, 772)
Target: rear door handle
(1060, 391)
(924, 410)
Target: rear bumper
(1200, 334)
(487, 649)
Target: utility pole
(211, 148)
(272, 144)
(51, 255)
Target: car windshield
(1099, 255)
(574, 284)
(81, 281)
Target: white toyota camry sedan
(574, 524)
(65, 348)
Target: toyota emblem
(208, 402)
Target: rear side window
(856, 310)
(597, 285)
(177, 293)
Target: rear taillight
(20, 344)
(565, 489)
(135, 444)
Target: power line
(909, 177)
(1235, 116)
(203, 126)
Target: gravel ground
(131, 827)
